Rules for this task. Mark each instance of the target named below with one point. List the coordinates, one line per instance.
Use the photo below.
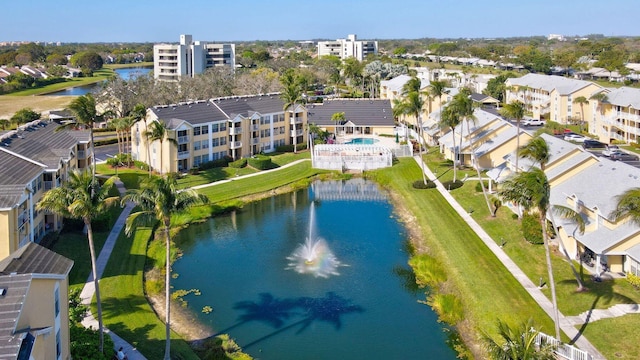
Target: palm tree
(628, 206)
(117, 124)
(84, 109)
(158, 199)
(139, 113)
(82, 198)
(538, 150)
(438, 89)
(519, 344)
(158, 130)
(291, 95)
(515, 110)
(338, 118)
(463, 105)
(449, 118)
(413, 104)
(412, 85)
(531, 190)
(126, 124)
(581, 100)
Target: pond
(317, 274)
(124, 73)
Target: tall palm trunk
(581, 286)
(517, 142)
(552, 284)
(421, 138)
(93, 154)
(455, 154)
(167, 291)
(148, 154)
(94, 271)
(477, 166)
(295, 130)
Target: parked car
(574, 137)
(593, 144)
(611, 149)
(617, 154)
(532, 122)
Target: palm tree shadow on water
(275, 312)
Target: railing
(295, 120)
(183, 154)
(235, 130)
(564, 351)
(183, 139)
(255, 127)
(82, 154)
(255, 141)
(299, 132)
(235, 144)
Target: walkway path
(598, 314)
(101, 263)
(565, 324)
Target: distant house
(34, 304)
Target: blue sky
(245, 20)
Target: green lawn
(98, 76)
(486, 289)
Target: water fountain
(313, 256)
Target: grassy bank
(487, 290)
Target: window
(223, 127)
(182, 133)
(215, 128)
(205, 158)
(196, 145)
(56, 300)
(205, 144)
(182, 148)
(223, 141)
(196, 130)
(215, 142)
(205, 129)
(196, 160)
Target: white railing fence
(563, 351)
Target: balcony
(183, 139)
(235, 131)
(183, 155)
(296, 120)
(255, 127)
(235, 144)
(255, 141)
(299, 132)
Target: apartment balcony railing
(183, 139)
(235, 144)
(255, 141)
(622, 116)
(235, 131)
(299, 132)
(255, 127)
(183, 154)
(296, 120)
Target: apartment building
(35, 158)
(207, 130)
(617, 116)
(552, 95)
(348, 48)
(189, 58)
(362, 116)
(34, 304)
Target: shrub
(240, 163)
(531, 229)
(448, 307)
(85, 344)
(223, 162)
(260, 162)
(479, 187)
(452, 185)
(194, 170)
(634, 280)
(428, 271)
(284, 148)
(419, 184)
(141, 165)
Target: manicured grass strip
(98, 76)
(74, 245)
(486, 289)
(264, 182)
(615, 338)
(125, 308)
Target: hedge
(261, 162)
(238, 163)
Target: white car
(575, 138)
(532, 122)
(610, 150)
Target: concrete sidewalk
(567, 326)
(101, 263)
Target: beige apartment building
(35, 158)
(552, 96)
(350, 47)
(617, 117)
(207, 130)
(34, 304)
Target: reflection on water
(239, 263)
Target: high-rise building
(349, 47)
(172, 61)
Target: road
(106, 151)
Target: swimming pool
(366, 141)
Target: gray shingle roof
(16, 174)
(11, 304)
(43, 144)
(361, 112)
(35, 259)
(550, 82)
(624, 96)
(194, 113)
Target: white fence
(351, 157)
(563, 351)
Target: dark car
(593, 144)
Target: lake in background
(242, 265)
(124, 73)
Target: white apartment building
(349, 47)
(188, 58)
